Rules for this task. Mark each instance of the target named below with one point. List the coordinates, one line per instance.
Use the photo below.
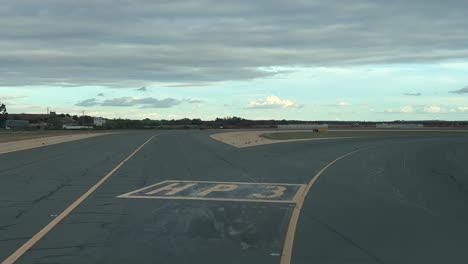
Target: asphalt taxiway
(182, 197)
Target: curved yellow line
(288, 243)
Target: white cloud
(272, 102)
(462, 108)
(11, 96)
(407, 109)
(343, 104)
(339, 104)
(455, 66)
(433, 109)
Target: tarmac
(182, 197)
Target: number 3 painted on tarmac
(277, 192)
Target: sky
(363, 60)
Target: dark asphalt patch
(178, 231)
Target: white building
(395, 125)
(99, 121)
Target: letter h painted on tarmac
(171, 188)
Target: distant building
(68, 127)
(393, 125)
(99, 121)
(32, 118)
(17, 124)
(38, 125)
(68, 121)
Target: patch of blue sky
(372, 92)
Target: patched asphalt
(403, 200)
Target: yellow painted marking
(237, 183)
(209, 199)
(31, 242)
(219, 188)
(299, 192)
(301, 195)
(134, 195)
(277, 192)
(171, 188)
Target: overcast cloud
(138, 42)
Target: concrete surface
(252, 138)
(405, 200)
(6, 147)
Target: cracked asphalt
(403, 200)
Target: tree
(54, 122)
(197, 122)
(3, 115)
(86, 121)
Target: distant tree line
(228, 122)
(238, 122)
(56, 121)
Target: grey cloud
(413, 94)
(461, 91)
(142, 89)
(100, 94)
(88, 102)
(122, 101)
(189, 84)
(139, 41)
(148, 102)
(155, 103)
(195, 101)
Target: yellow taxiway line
(31, 242)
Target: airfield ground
(183, 197)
